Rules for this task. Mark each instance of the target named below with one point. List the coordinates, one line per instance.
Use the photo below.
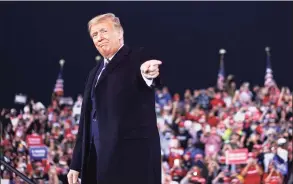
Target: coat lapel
(116, 61)
(93, 73)
(90, 82)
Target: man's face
(8, 154)
(106, 38)
(214, 131)
(234, 138)
(165, 90)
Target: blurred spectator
(252, 172)
(273, 176)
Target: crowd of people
(200, 132)
(237, 136)
(39, 141)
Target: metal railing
(11, 169)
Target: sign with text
(34, 140)
(20, 99)
(237, 156)
(38, 152)
(65, 101)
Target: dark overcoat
(129, 145)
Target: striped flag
(269, 78)
(221, 73)
(269, 82)
(59, 86)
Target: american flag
(269, 78)
(59, 87)
(221, 73)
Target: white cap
(281, 141)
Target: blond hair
(107, 16)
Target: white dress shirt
(148, 81)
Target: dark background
(186, 36)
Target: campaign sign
(237, 156)
(38, 152)
(34, 140)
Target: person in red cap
(217, 101)
(252, 172)
(183, 135)
(176, 151)
(177, 172)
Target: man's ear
(120, 32)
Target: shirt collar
(109, 59)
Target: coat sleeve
(144, 56)
(76, 161)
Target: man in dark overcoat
(117, 140)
